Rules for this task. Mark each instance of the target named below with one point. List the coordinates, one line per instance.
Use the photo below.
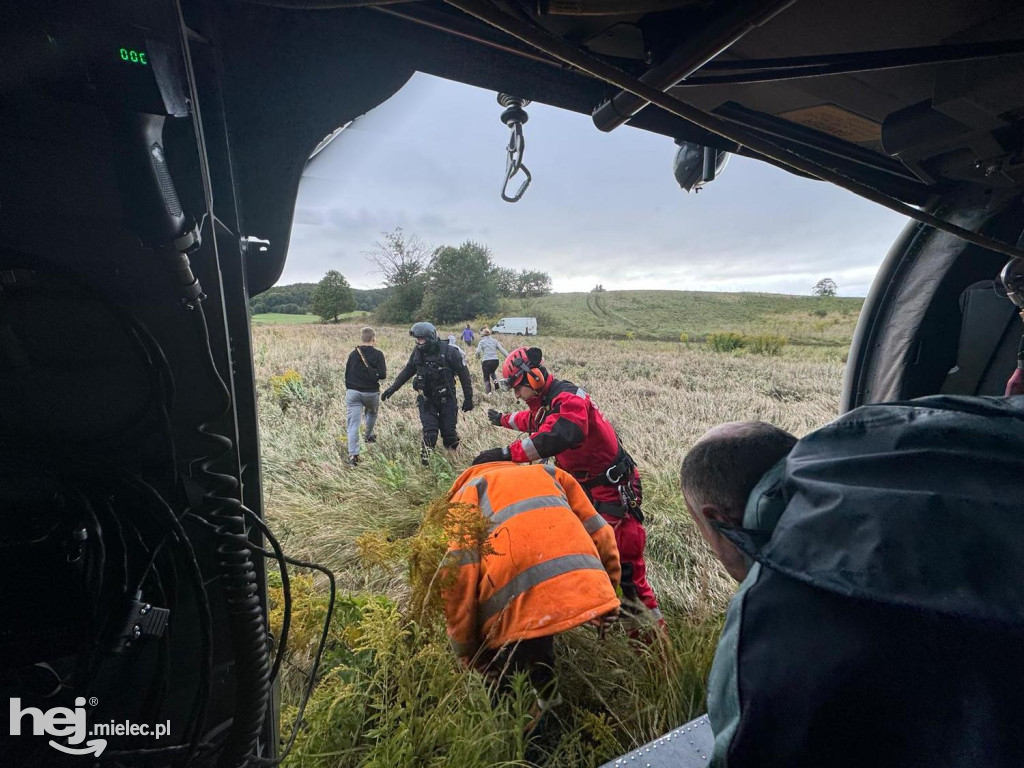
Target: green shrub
(766, 344)
(727, 341)
(391, 694)
(819, 312)
(683, 338)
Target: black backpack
(883, 621)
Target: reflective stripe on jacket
(549, 562)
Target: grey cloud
(602, 207)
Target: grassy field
(804, 320)
(277, 318)
(391, 693)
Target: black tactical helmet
(423, 330)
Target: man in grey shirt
(363, 372)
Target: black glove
(494, 417)
(493, 454)
(467, 404)
(386, 394)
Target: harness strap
(622, 469)
(619, 476)
(610, 508)
(364, 360)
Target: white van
(519, 326)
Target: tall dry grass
(661, 396)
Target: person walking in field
(363, 373)
(455, 345)
(435, 364)
(487, 350)
(562, 422)
(467, 335)
(543, 563)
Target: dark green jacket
(885, 611)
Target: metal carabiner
(514, 164)
(514, 116)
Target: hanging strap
(371, 370)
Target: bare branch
(400, 258)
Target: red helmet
(524, 366)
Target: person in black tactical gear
(433, 367)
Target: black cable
(95, 579)
(163, 381)
(201, 701)
(150, 564)
(238, 571)
(286, 589)
(115, 523)
(283, 561)
(277, 554)
(321, 646)
(108, 605)
(182, 542)
(157, 690)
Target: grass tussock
(391, 693)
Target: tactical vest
(435, 379)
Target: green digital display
(134, 57)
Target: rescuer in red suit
(561, 421)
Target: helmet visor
(509, 384)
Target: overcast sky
(602, 208)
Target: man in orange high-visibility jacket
(547, 563)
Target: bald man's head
(719, 473)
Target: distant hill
(664, 315)
(651, 315)
(297, 298)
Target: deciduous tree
(532, 283)
(403, 260)
(825, 287)
(522, 284)
(332, 297)
(505, 280)
(460, 283)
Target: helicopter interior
(150, 157)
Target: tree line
(445, 284)
(297, 299)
